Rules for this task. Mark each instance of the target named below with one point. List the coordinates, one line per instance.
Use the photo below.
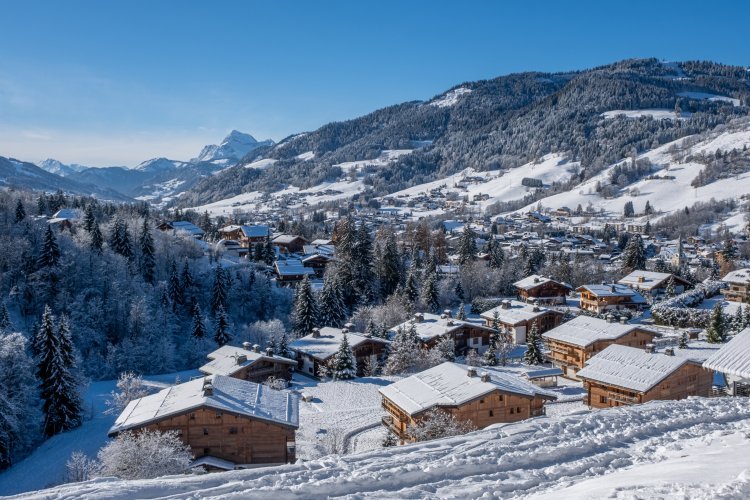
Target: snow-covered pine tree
(283, 349)
(634, 256)
(331, 302)
(446, 347)
(459, 291)
(89, 219)
(490, 355)
(670, 290)
(411, 292)
(97, 240)
(41, 205)
(20, 211)
(120, 239)
(305, 315)
(174, 287)
(390, 439)
(186, 277)
(533, 354)
(389, 264)
(467, 247)
(219, 290)
(716, 331)
(55, 371)
(221, 333)
(505, 345)
(403, 353)
(364, 276)
(50, 254)
(343, 367)
(148, 262)
(198, 330)
(5, 324)
(430, 294)
(269, 254)
(461, 314)
(683, 340)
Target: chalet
(483, 397)
(738, 282)
(287, 243)
(248, 363)
(573, 343)
(733, 360)
(431, 328)
(542, 290)
(290, 271)
(652, 283)
(518, 317)
(317, 349)
(245, 235)
(224, 420)
(621, 375)
(182, 226)
(609, 297)
(317, 262)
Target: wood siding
(591, 302)
(259, 371)
(548, 292)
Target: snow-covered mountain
(233, 148)
(59, 168)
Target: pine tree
(148, 262)
(41, 205)
(628, 210)
(467, 248)
(446, 347)
(746, 322)
(362, 255)
(459, 291)
(5, 325)
(490, 355)
(219, 291)
(97, 240)
(496, 254)
(284, 346)
(174, 288)
(648, 210)
(430, 294)
(198, 330)
(389, 440)
(533, 354)
(634, 256)
(305, 309)
(331, 302)
(50, 255)
(461, 315)
(411, 293)
(20, 211)
(389, 265)
(342, 367)
(59, 393)
(269, 254)
(716, 331)
(221, 334)
(683, 340)
(670, 290)
(88, 218)
(186, 279)
(120, 239)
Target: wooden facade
(289, 244)
(262, 369)
(691, 379)
(546, 292)
(598, 304)
(239, 439)
(368, 352)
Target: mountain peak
(59, 168)
(232, 149)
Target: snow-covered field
(695, 448)
(656, 114)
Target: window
(512, 411)
(206, 451)
(481, 401)
(192, 416)
(233, 430)
(603, 399)
(205, 431)
(518, 409)
(500, 397)
(492, 414)
(218, 413)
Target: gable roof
(291, 267)
(517, 312)
(732, 358)
(738, 276)
(228, 394)
(647, 280)
(613, 290)
(582, 331)
(448, 384)
(535, 280)
(326, 345)
(225, 360)
(285, 239)
(433, 325)
(188, 227)
(630, 367)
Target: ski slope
(696, 447)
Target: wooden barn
(224, 420)
(317, 349)
(518, 317)
(621, 375)
(542, 290)
(248, 363)
(482, 397)
(573, 343)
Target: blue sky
(116, 83)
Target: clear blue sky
(114, 83)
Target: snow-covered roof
(614, 290)
(547, 372)
(322, 242)
(285, 239)
(432, 325)
(228, 394)
(733, 358)
(218, 463)
(514, 312)
(630, 367)
(228, 359)
(188, 227)
(291, 267)
(738, 276)
(583, 331)
(448, 384)
(645, 280)
(536, 280)
(66, 213)
(326, 345)
(255, 231)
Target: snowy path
(648, 449)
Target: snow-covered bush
(680, 311)
(130, 387)
(144, 455)
(438, 423)
(79, 467)
(277, 384)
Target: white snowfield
(694, 448)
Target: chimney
(418, 317)
(316, 333)
(471, 372)
(247, 345)
(485, 377)
(623, 320)
(241, 358)
(269, 352)
(669, 351)
(650, 348)
(641, 279)
(345, 330)
(447, 313)
(505, 304)
(610, 318)
(536, 279)
(349, 326)
(208, 388)
(256, 348)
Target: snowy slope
(232, 149)
(59, 168)
(696, 447)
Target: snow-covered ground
(656, 114)
(450, 98)
(695, 448)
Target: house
(291, 271)
(573, 343)
(182, 226)
(431, 328)
(247, 236)
(733, 360)
(317, 349)
(227, 422)
(622, 375)
(652, 283)
(482, 397)
(287, 243)
(518, 317)
(64, 218)
(609, 297)
(317, 262)
(738, 282)
(542, 290)
(248, 363)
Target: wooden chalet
(573, 343)
(248, 363)
(318, 349)
(287, 243)
(182, 226)
(482, 397)
(431, 328)
(738, 289)
(621, 375)
(542, 290)
(227, 422)
(518, 317)
(317, 262)
(247, 236)
(733, 360)
(610, 297)
(652, 283)
(291, 271)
